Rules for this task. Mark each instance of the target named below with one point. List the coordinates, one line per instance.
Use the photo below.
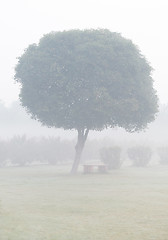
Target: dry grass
(45, 203)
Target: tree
(163, 155)
(140, 155)
(3, 153)
(111, 156)
(86, 80)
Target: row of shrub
(140, 156)
(23, 151)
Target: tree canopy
(87, 80)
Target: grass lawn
(46, 203)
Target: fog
(127, 199)
(45, 201)
(16, 121)
(24, 137)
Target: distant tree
(21, 150)
(54, 151)
(140, 155)
(111, 156)
(86, 80)
(3, 153)
(163, 155)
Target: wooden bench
(91, 168)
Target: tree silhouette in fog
(86, 80)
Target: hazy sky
(23, 22)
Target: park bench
(91, 168)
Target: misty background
(38, 200)
(23, 22)
(144, 22)
(16, 121)
(26, 141)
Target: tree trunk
(82, 136)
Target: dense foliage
(22, 151)
(140, 155)
(163, 155)
(88, 79)
(111, 156)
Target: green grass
(46, 203)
